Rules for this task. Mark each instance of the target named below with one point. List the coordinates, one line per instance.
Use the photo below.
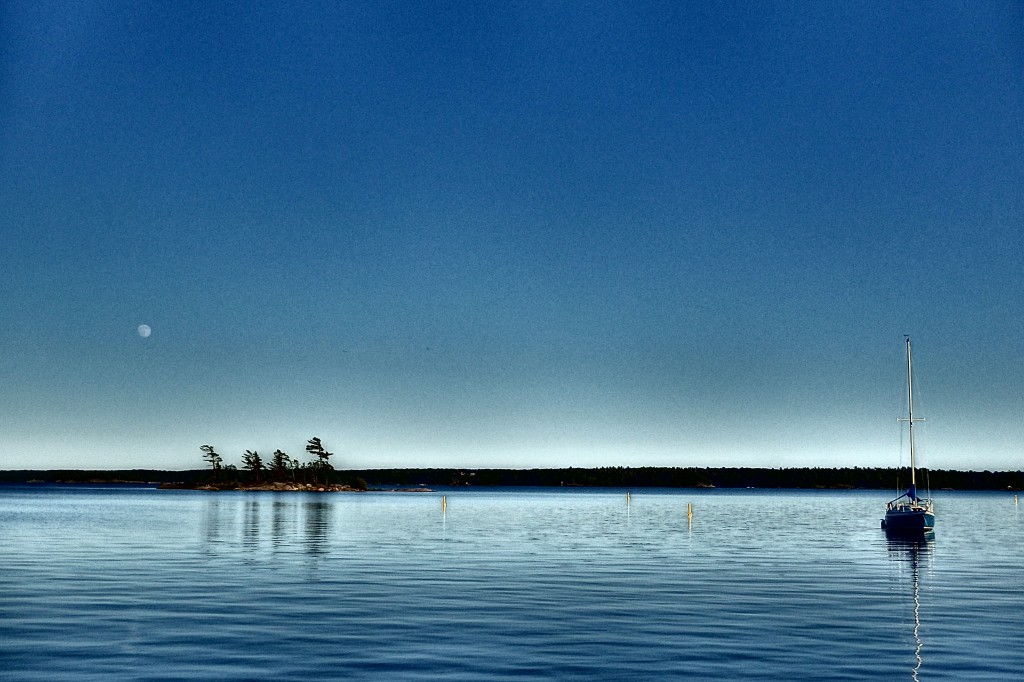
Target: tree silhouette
(251, 460)
(215, 460)
(280, 465)
(322, 463)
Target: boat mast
(912, 492)
(910, 416)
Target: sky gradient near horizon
(517, 234)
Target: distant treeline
(604, 477)
(695, 477)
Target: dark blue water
(143, 584)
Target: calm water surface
(146, 584)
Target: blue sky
(511, 234)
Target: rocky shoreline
(284, 487)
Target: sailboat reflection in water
(914, 553)
(909, 513)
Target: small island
(283, 474)
(276, 486)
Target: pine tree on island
(280, 466)
(215, 460)
(322, 463)
(251, 460)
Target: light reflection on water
(914, 552)
(577, 584)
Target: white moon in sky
(144, 330)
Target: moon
(144, 330)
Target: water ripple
(162, 585)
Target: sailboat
(910, 513)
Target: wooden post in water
(689, 516)
(627, 498)
(444, 504)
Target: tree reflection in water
(290, 522)
(317, 526)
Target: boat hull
(908, 520)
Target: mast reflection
(913, 550)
